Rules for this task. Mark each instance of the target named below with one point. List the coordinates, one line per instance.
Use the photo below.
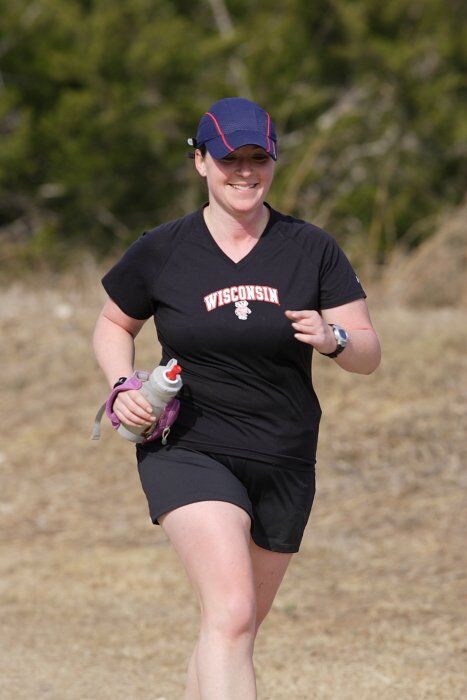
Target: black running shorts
(278, 499)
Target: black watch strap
(119, 381)
(340, 344)
(336, 352)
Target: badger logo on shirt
(242, 310)
(242, 292)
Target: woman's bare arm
(362, 353)
(113, 341)
(114, 348)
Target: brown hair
(201, 148)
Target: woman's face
(239, 182)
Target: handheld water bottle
(159, 387)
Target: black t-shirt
(247, 381)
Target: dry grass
(435, 274)
(95, 603)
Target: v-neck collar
(215, 246)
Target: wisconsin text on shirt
(248, 292)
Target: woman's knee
(212, 540)
(231, 615)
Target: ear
(199, 163)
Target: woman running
(240, 295)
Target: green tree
(97, 99)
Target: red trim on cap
(270, 140)
(221, 134)
(267, 134)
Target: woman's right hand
(133, 409)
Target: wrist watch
(342, 338)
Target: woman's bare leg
(212, 541)
(269, 569)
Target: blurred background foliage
(98, 97)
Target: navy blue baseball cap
(234, 122)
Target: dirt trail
(95, 605)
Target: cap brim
(220, 147)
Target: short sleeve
(338, 282)
(126, 283)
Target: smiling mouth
(243, 187)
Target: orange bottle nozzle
(174, 372)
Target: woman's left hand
(311, 329)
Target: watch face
(341, 335)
